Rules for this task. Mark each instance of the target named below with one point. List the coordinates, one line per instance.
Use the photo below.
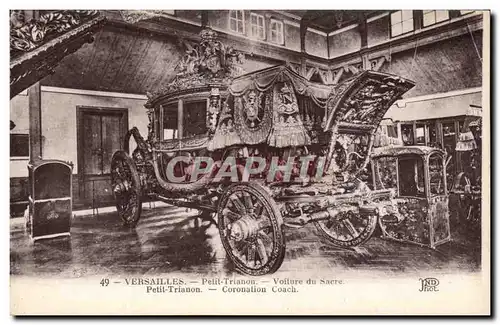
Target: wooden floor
(169, 240)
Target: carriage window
(407, 132)
(385, 173)
(392, 131)
(436, 175)
(420, 134)
(195, 118)
(433, 139)
(170, 122)
(411, 177)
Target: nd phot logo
(429, 284)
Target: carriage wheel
(126, 187)
(347, 229)
(251, 229)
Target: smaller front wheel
(126, 187)
(251, 229)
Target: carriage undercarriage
(313, 142)
(253, 215)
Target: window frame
(401, 23)
(252, 25)
(231, 18)
(425, 12)
(278, 22)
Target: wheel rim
(250, 229)
(125, 188)
(348, 228)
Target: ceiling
(330, 20)
(130, 60)
(118, 60)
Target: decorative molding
(25, 36)
(29, 67)
(377, 17)
(343, 29)
(309, 29)
(290, 15)
(313, 30)
(208, 62)
(291, 23)
(71, 91)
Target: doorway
(100, 132)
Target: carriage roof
(356, 104)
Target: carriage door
(101, 132)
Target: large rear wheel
(251, 229)
(126, 185)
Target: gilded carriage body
(259, 152)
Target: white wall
(59, 139)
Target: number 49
(104, 282)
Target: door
(101, 132)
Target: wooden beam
(363, 31)
(35, 122)
(310, 73)
(303, 31)
(204, 18)
(338, 75)
(379, 64)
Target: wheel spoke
(258, 209)
(265, 239)
(349, 226)
(230, 214)
(261, 251)
(251, 255)
(248, 201)
(329, 223)
(236, 202)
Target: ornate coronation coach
(315, 141)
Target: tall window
(257, 23)
(401, 22)
(432, 17)
(277, 32)
(237, 21)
